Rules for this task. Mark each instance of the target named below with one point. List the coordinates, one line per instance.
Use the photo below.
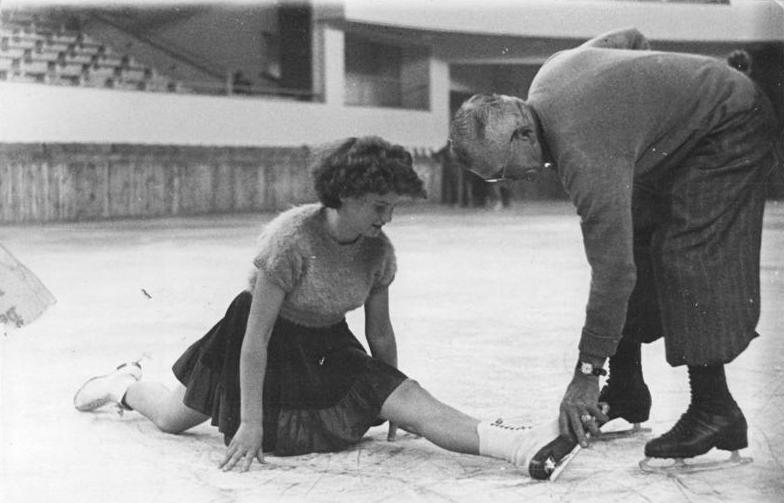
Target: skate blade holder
(636, 430)
(680, 465)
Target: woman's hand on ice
(246, 445)
(392, 432)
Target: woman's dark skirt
(322, 391)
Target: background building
(179, 108)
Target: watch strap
(587, 368)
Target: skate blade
(89, 406)
(562, 465)
(635, 431)
(678, 465)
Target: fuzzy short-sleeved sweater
(323, 279)
(610, 118)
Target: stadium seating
(34, 51)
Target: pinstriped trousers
(698, 229)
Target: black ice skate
(550, 460)
(696, 433)
(631, 402)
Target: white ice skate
(543, 451)
(539, 450)
(110, 388)
(550, 461)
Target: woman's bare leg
(416, 410)
(537, 450)
(163, 406)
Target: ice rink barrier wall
(77, 182)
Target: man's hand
(244, 446)
(580, 408)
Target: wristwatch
(589, 369)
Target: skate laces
(682, 428)
(134, 367)
(499, 423)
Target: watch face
(586, 368)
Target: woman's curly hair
(366, 165)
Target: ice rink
(487, 308)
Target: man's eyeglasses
(500, 175)
(530, 174)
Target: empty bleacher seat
(46, 56)
(37, 50)
(57, 46)
(133, 74)
(34, 67)
(14, 52)
(23, 41)
(6, 63)
(80, 58)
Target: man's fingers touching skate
(595, 418)
(570, 425)
(583, 424)
(591, 425)
(577, 427)
(599, 412)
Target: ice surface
(487, 307)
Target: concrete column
(439, 94)
(334, 66)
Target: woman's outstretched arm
(247, 442)
(380, 335)
(378, 327)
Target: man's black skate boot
(697, 432)
(548, 459)
(630, 401)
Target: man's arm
(603, 201)
(601, 188)
(628, 38)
